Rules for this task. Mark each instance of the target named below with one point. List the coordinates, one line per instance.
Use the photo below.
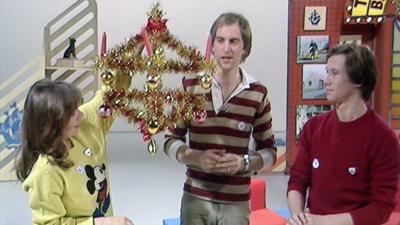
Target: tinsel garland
(153, 108)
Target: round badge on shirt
(88, 152)
(315, 164)
(80, 170)
(352, 170)
(241, 126)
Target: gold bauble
(128, 55)
(153, 127)
(154, 82)
(152, 147)
(205, 81)
(159, 51)
(107, 77)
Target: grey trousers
(196, 211)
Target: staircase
(78, 21)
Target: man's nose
(226, 46)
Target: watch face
(246, 159)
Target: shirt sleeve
(45, 192)
(385, 169)
(300, 172)
(91, 113)
(263, 134)
(175, 137)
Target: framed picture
(306, 112)
(350, 39)
(315, 18)
(312, 48)
(314, 76)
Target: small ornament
(153, 126)
(152, 147)
(154, 82)
(107, 77)
(120, 103)
(140, 114)
(128, 55)
(168, 98)
(201, 117)
(105, 111)
(205, 81)
(159, 51)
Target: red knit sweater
(348, 167)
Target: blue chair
(171, 221)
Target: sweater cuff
(173, 149)
(268, 157)
(85, 221)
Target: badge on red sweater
(315, 164)
(352, 170)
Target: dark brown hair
(245, 30)
(48, 108)
(360, 65)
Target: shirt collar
(216, 91)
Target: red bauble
(105, 111)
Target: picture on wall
(314, 18)
(312, 48)
(314, 76)
(350, 39)
(306, 112)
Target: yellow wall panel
(396, 72)
(396, 85)
(395, 111)
(395, 98)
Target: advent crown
(154, 109)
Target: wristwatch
(246, 159)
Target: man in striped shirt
(217, 156)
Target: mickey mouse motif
(98, 182)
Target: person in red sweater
(349, 158)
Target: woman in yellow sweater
(63, 162)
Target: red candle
(146, 41)
(208, 48)
(103, 45)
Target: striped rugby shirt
(228, 126)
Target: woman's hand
(112, 220)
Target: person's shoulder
(44, 164)
(379, 124)
(193, 84)
(321, 118)
(43, 169)
(258, 87)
